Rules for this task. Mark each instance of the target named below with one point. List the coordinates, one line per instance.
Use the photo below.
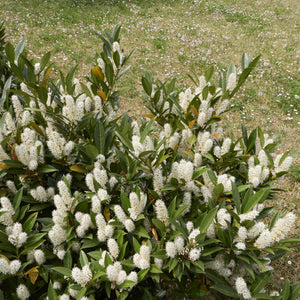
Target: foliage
(96, 205)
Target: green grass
(172, 38)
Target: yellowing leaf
(106, 213)
(4, 166)
(46, 77)
(215, 117)
(191, 124)
(33, 274)
(98, 72)
(189, 154)
(150, 116)
(37, 128)
(78, 169)
(102, 95)
(154, 233)
(198, 182)
(215, 135)
(194, 110)
(117, 293)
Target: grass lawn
(174, 38)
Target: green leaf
(159, 225)
(208, 219)
(46, 169)
(148, 128)
(210, 251)
(127, 284)
(198, 172)
(236, 197)
(45, 60)
(180, 210)
(62, 270)
(29, 223)
(81, 293)
(155, 269)
(141, 232)
(83, 259)
(258, 197)
(136, 245)
(109, 72)
(147, 84)
(125, 201)
(142, 274)
(17, 199)
(19, 49)
(4, 92)
(51, 292)
(225, 289)
(99, 135)
(68, 260)
(92, 151)
(260, 282)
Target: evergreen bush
(95, 205)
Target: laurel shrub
(97, 205)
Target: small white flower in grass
(22, 292)
(194, 253)
(241, 288)
(113, 248)
(171, 249)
